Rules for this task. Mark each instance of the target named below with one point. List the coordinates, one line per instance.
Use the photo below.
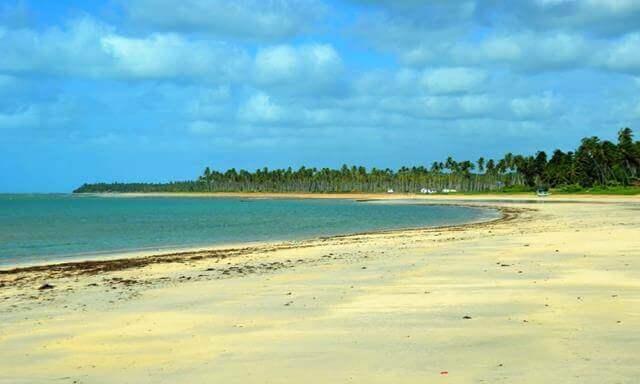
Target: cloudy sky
(154, 90)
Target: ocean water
(37, 228)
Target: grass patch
(565, 190)
(614, 190)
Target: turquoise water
(35, 228)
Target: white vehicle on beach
(389, 190)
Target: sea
(42, 228)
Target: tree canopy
(594, 163)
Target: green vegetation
(617, 190)
(596, 166)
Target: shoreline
(375, 196)
(152, 251)
(134, 259)
(485, 201)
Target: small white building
(390, 190)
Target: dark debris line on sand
(97, 267)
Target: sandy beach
(549, 293)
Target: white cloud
(595, 16)
(502, 49)
(443, 107)
(529, 52)
(452, 80)
(624, 55)
(529, 35)
(535, 106)
(260, 109)
(532, 51)
(524, 51)
(305, 66)
(171, 56)
(210, 103)
(90, 49)
(431, 81)
(605, 17)
(244, 19)
(74, 49)
(87, 48)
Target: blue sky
(143, 90)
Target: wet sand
(549, 293)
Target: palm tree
(491, 166)
(480, 163)
(208, 178)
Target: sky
(155, 90)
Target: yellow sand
(553, 296)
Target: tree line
(595, 163)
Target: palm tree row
(593, 163)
